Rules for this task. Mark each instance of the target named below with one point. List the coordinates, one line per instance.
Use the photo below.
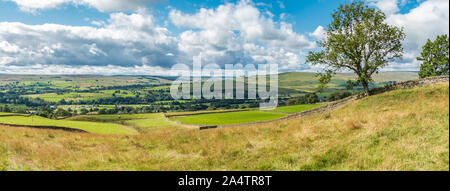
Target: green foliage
(45, 111)
(338, 95)
(62, 113)
(324, 79)
(402, 130)
(84, 111)
(358, 40)
(310, 98)
(350, 84)
(5, 108)
(434, 57)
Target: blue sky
(305, 15)
(150, 36)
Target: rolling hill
(294, 83)
(405, 129)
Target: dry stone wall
(333, 105)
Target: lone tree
(434, 57)
(357, 40)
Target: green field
(53, 97)
(10, 114)
(143, 123)
(294, 83)
(2, 113)
(112, 118)
(150, 123)
(296, 108)
(78, 81)
(174, 114)
(229, 118)
(402, 130)
(93, 127)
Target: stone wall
(46, 127)
(333, 105)
(410, 84)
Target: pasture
(229, 118)
(73, 96)
(296, 108)
(10, 114)
(93, 127)
(112, 118)
(77, 81)
(151, 123)
(297, 83)
(143, 123)
(401, 130)
(175, 114)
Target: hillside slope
(292, 82)
(399, 130)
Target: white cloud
(116, 5)
(428, 20)
(6, 47)
(132, 43)
(85, 69)
(33, 5)
(319, 33)
(101, 5)
(246, 19)
(123, 42)
(232, 32)
(229, 34)
(387, 6)
(281, 4)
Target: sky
(148, 37)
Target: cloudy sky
(149, 36)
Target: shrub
(338, 95)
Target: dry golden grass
(399, 130)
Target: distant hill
(405, 129)
(293, 83)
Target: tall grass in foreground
(400, 130)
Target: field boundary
(45, 127)
(208, 112)
(12, 115)
(333, 105)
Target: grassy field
(93, 127)
(53, 97)
(229, 118)
(296, 108)
(174, 114)
(291, 84)
(150, 124)
(79, 81)
(143, 123)
(294, 82)
(8, 114)
(112, 118)
(399, 130)
(226, 117)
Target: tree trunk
(366, 88)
